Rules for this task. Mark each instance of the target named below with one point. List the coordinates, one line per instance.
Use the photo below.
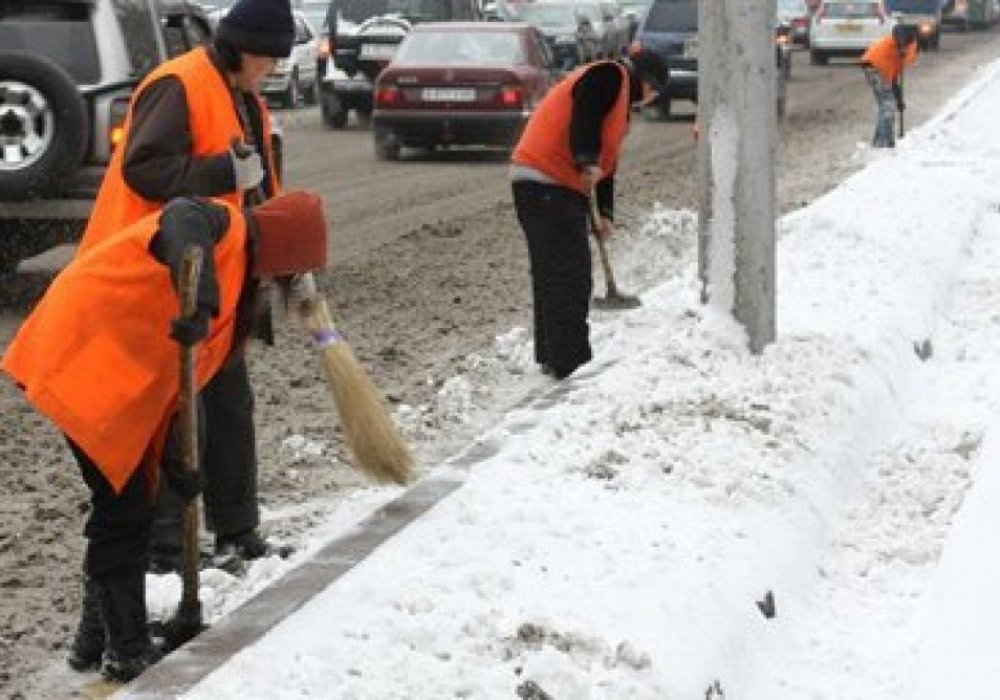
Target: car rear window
(547, 14)
(672, 16)
(61, 32)
(453, 48)
(924, 7)
(851, 10)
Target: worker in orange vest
(98, 357)
(179, 141)
(884, 64)
(568, 153)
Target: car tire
(364, 115)
(293, 93)
(386, 144)
(42, 110)
(335, 118)
(818, 58)
(311, 94)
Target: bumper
(458, 128)
(74, 203)
(683, 85)
(347, 93)
(275, 84)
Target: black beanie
(648, 67)
(259, 27)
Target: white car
(294, 78)
(846, 28)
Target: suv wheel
(386, 144)
(42, 125)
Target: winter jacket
(883, 56)
(214, 124)
(95, 355)
(545, 144)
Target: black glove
(190, 330)
(185, 483)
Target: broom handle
(188, 416)
(609, 276)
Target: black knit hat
(646, 66)
(259, 27)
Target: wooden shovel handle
(602, 249)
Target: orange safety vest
(95, 354)
(544, 145)
(883, 56)
(214, 124)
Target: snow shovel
(613, 300)
(187, 622)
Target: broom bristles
(369, 429)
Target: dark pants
(119, 525)
(229, 461)
(554, 220)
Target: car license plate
(448, 94)
(849, 27)
(383, 52)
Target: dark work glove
(190, 330)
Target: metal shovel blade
(616, 302)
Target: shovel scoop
(613, 300)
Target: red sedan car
(460, 83)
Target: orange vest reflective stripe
(95, 354)
(883, 55)
(544, 145)
(214, 123)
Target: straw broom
(369, 429)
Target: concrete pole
(737, 117)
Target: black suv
(670, 29)
(363, 36)
(67, 70)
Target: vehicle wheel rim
(27, 125)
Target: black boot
(87, 647)
(130, 650)
(249, 545)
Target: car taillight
(511, 96)
(388, 95)
(324, 48)
(116, 121)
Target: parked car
(295, 78)
(846, 28)
(364, 36)
(315, 12)
(461, 83)
(670, 29)
(796, 15)
(571, 40)
(966, 14)
(67, 71)
(922, 15)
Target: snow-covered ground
(618, 543)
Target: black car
(571, 39)
(363, 37)
(670, 29)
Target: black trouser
(554, 220)
(229, 461)
(119, 525)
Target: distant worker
(884, 63)
(567, 153)
(99, 357)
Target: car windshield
(453, 48)
(673, 16)
(793, 7)
(358, 11)
(851, 10)
(59, 31)
(925, 7)
(549, 14)
(315, 13)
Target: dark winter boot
(87, 647)
(248, 545)
(130, 650)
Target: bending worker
(99, 357)
(179, 141)
(884, 64)
(568, 150)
